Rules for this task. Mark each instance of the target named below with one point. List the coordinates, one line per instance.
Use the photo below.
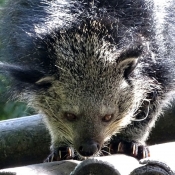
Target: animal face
(92, 98)
(82, 69)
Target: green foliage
(9, 109)
(2, 2)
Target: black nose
(89, 148)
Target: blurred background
(10, 109)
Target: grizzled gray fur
(93, 69)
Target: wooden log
(66, 167)
(23, 141)
(123, 164)
(53, 168)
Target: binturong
(99, 71)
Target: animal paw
(61, 153)
(133, 149)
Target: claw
(133, 149)
(59, 154)
(50, 158)
(143, 152)
(146, 152)
(62, 153)
(120, 148)
(70, 152)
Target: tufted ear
(128, 60)
(127, 66)
(22, 74)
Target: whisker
(54, 116)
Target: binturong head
(82, 68)
(89, 99)
(86, 108)
(88, 95)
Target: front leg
(131, 140)
(131, 148)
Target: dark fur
(78, 53)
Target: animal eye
(107, 117)
(70, 117)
